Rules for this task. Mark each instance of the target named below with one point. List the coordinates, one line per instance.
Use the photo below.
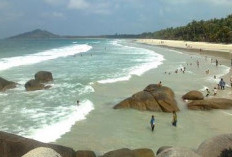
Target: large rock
(193, 95)
(85, 153)
(42, 152)
(208, 104)
(219, 146)
(178, 152)
(33, 85)
(16, 146)
(4, 84)
(43, 76)
(130, 153)
(152, 98)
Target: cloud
(211, 2)
(4, 4)
(78, 4)
(53, 15)
(55, 2)
(98, 6)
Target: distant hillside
(36, 34)
(214, 30)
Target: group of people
(174, 121)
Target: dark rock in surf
(33, 85)
(5, 84)
(43, 76)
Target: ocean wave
(115, 43)
(153, 62)
(7, 63)
(50, 133)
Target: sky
(101, 17)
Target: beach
(201, 48)
(100, 73)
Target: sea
(99, 73)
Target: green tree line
(214, 30)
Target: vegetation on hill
(214, 30)
(36, 34)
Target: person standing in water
(207, 92)
(231, 81)
(174, 119)
(152, 122)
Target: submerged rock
(16, 146)
(208, 104)
(152, 98)
(5, 84)
(193, 95)
(42, 152)
(219, 146)
(43, 76)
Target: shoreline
(222, 51)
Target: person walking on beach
(152, 122)
(222, 84)
(174, 118)
(207, 92)
(160, 84)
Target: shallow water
(107, 129)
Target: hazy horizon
(102, 17)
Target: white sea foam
(6, 63)
(50, 133)
(126, 78)
(87, 89)
(151, 63)
(224, 71)
(115, 43)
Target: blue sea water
(76, 65)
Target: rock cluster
(37, 83)
(16, 146)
